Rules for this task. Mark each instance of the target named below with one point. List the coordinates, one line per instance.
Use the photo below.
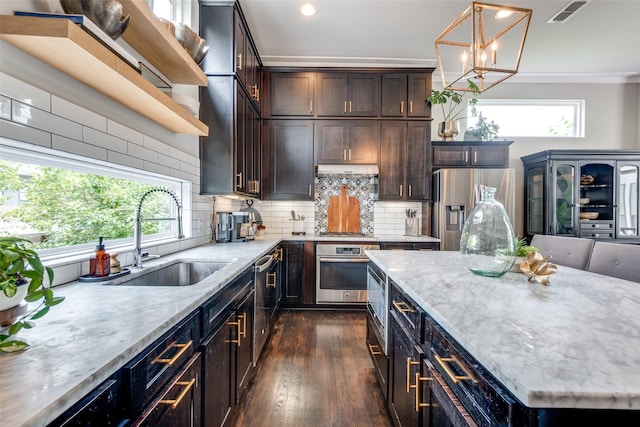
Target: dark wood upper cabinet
(346, 141)
(290, 167)
(404, 160)
(292, 94)
(476, 154)
(405, 95)
(348, 94)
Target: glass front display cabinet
(581, 193)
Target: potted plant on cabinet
(452, 107)
(483, 130)
(22, 275)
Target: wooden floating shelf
(146, 34)
(68, 48)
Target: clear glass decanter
(488, 243)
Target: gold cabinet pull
(410, 363)
(239, 180)
(311, 106)
(410, 107)
(239, 65)
(281, 256)
(401, 191)
(401, 107)
(172, 360)
(402, 307)
(310, 189)
(175, 402)
(409, 190)
(466, 156)
(272, 284)
(417, 387)
(237, 325)
(349, 107)
(345, 106)
(349, 153)
(374, 350)
(344, 154)
(443, 362)
(475, 157)
(243, 332)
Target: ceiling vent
(567, 12)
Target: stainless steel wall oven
(341, 273)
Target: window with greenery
(532, 118)
(67, 204)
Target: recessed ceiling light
(308, 9)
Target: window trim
(578, 104)
(17, 151)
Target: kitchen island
(572, 344)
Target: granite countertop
(572, 344)
(99, 328)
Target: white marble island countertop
(573, 344)
(99, 328)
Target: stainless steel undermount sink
(179, 273)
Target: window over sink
(64, 202)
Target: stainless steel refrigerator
(455, 193)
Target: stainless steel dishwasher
(262, 307)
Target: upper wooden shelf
(146, 34)
(67, 47)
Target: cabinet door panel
(364, 95)
(332, 94)
(563, 198)
(240, 49)
(393, 95)
(418, 170)
(451, 156)
(392, 149)
(293, 267)
(291, 160)
(244, 344)
(218, 380)
(628, 196)
(363, 142)
(419, 91)
(490, 156)
(240, 143)
(331, 141)
(292, 94)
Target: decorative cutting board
(343, 214)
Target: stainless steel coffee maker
(223, 229)
(241, 225)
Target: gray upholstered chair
(616, 260)
(571, 252)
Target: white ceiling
(601, 42)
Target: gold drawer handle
(442, 361)
(175, 402)
(375, 352)
(171, 361)
(236, 324)
(243, 332)
(271, 284)
(417, 387)
(402, 307)
(410, 363)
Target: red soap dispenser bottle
(100, 263)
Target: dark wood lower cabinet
(406, 362)
(298, 271)
(218, 383)
(244, 344)
(180, 403)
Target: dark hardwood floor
(315, 371)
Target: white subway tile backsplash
(64, 108)
(124, 159)
(184, 157)
(154, 167)
(155, 145)
(120, 131)
(26, 114)
(142, 153)
(77, 147)
(5, 108)
(26, 134)
(24, 92)
(104, 140)
(168, 161)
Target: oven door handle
(361, 260)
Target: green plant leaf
(27, 324)
(34, 296)
(40, 313)
(54, 301)
(10, 290)
(48, 295)
(15, 267)
(13, 346)
(34, 285)
(15, 328)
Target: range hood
(346, 169)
